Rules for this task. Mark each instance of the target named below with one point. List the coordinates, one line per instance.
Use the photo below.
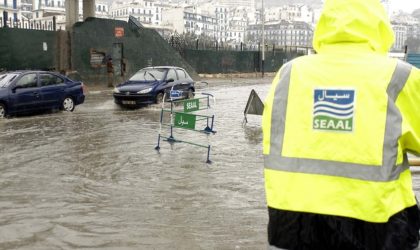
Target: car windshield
(6, 79)
(149, 75)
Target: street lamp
(263, 37)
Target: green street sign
(191, 105)
(183, 120)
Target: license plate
(129, 102)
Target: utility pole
(263, 37)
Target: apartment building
(146, 12)
(10, 10)
(190, 19)
(282, 33)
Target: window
(181, 74)
(6, 79)
(171, 74)
(5, 3)
(27, 81)
(49, 79)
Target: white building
(236, 3)
(43, 12)
(282, 33)
(401, 35)
(237, 25)
(11, 10)
(292, 12)
(26, 9)
(296, 12)
(147, 12)
(190, 19)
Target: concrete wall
(27, 49)
(140, 48)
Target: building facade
(282, 33)
(10, 10)
(190, 19)
(147, 12)
(401, 32)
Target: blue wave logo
(333, 109)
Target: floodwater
(92, 178)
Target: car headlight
(144, 91)
(116, 90)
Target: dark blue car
(28, 91)
(149, 86)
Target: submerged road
(92, 179)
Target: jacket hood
(362, 23)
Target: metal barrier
(187, 117)
(29, 24)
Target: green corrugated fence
(414, 59)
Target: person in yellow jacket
(337, 127)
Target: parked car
(150, 84)
(28, 91)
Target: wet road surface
(92, 179)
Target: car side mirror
(170, 80)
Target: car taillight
(84, 88)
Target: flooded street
(92, 178)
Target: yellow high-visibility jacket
(337, 125)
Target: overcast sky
(405, 5)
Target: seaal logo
(333, 109)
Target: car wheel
(190, 94)
(68, 104)
(159, 98)
(2, 110)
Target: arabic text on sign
(182, 122)
(334, 97)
